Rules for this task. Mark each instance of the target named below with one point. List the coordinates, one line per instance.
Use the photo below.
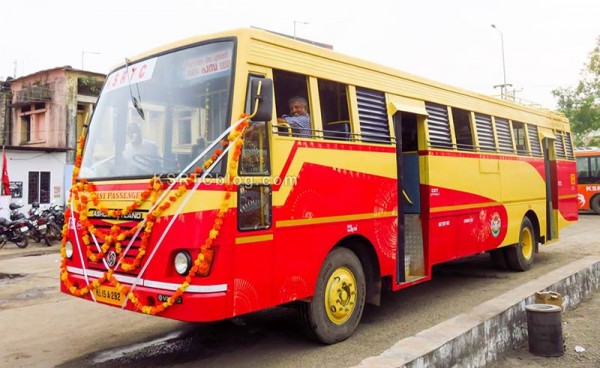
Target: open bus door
(410, 254)
(550, 168)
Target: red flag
(5, 181)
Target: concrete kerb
(479, 336)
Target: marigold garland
(84, 192)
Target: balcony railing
(33, 94)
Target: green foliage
(89, 86)
(581, 105)
(594, 142)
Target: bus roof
(288, 43)
(588, 151)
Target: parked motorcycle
(14, 231)
(15, 215)
(55, 220)
(39, 225)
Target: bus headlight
(182, 262)
(68, 249)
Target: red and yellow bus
(588, 177)
(209, 208)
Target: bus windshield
(156, 115)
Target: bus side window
(334, 110)
(583, 170)
(254, 207)
(519, 134)
(462, 129)
(288, 85)
(595, 168)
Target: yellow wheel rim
(340, 295)
(527, 243)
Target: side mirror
(261, 99)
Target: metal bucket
(544, 327)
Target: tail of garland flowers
(83, 193)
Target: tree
(581, 104)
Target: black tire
(498, 257)
(595, 203)
(47, 239)
(36, 237)
(53, 232)
(341, 283)
(520, 257)
(23, 241)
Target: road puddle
(10, 276)
(136, 349)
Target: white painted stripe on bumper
(153, 284)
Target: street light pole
(503, 85)
(298, 22)
(87, 52)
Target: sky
(546, 43)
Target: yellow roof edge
(267, 36)
(238, 32)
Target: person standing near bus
(299, 118)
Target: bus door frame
(551, 170)
(396, 108)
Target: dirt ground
(580, 328)
(44, 332)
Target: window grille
(438, 126)
(534, 140)
(569, 146)
(372, 115)
(39, 187)
(504, 137)
(485, 132)
(559, 145)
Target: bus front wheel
(520, 257)
(595, 203)
(339, 299)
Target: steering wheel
(146, 160)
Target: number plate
(109, 295)
(42, 227)
(24, 229)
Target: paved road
(49, 329)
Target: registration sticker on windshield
(131, 74)
(207, 65)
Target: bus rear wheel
(520, 257)
(595, 203)
(339, 299)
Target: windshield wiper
(137, 104)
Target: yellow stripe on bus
(463, 207)
(331, 219)
(253, 239)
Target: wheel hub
(341, 295)
(527, 243)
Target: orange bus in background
(588, 176)
(192, 202)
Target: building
(41, 117)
